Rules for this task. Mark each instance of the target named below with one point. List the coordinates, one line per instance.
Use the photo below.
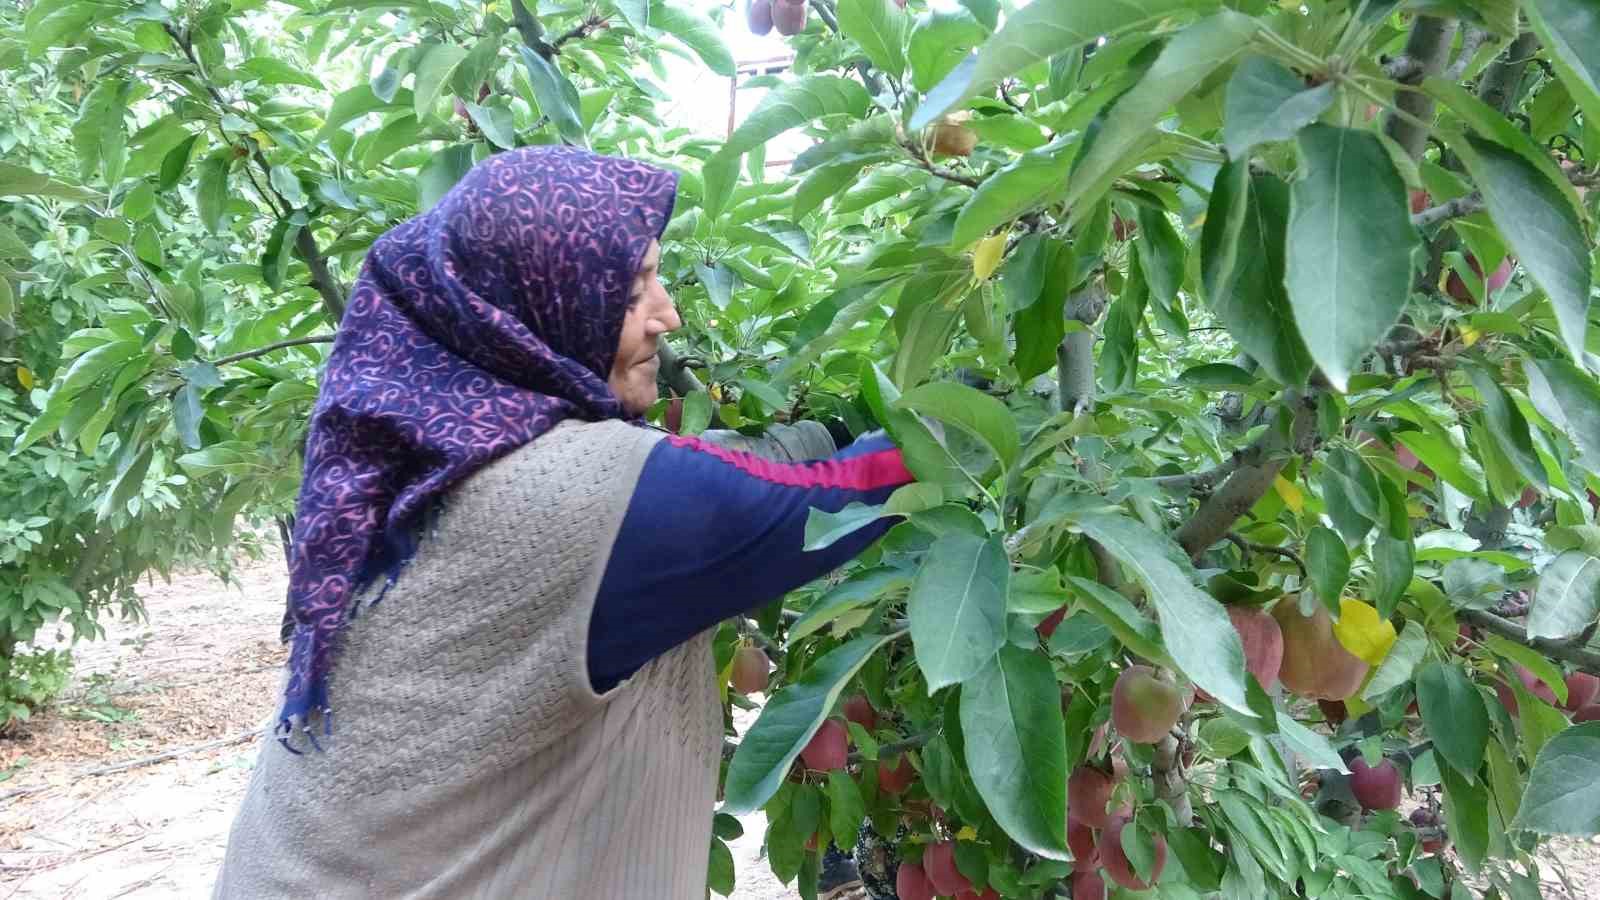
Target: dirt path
(203, 669)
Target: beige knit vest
(469, 756)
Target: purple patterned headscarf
(473, 329)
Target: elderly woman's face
(633, 374)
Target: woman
(529, 709)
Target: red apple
(1085, 852)
(1315, 665)
(895, 780)
(1088, 886)
(1263, 642)
(829, 748)
(1457, 288)
(751, 670)
(1590, 713)
(940, 864)
(1581, 690)
(789, 16)
(1375, 787)
(759, 16)
(1144, 707)
(911, 883)
(1048, 626)
(858, 709)
(1088, 791)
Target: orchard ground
(201, 673)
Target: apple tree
(1243, 353)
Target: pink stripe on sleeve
(867, 472)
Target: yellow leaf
(262, 138)
(987, 257)
(716, 392)
(1470, 335)
(1361, 631)
(25, 378)
(967, 833)
(1291, 495)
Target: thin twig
(151, 760)
(270, 348)
(1453, 209)
(1583, 657)
(1248, 547)
(1471, 42)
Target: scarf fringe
(400, 549)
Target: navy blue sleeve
(711, 533)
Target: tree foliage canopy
(1179, 311)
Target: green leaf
(787, 723)
(211, 194)
(186, 415)
(1015, 744)
(1398, 667)
(1466, 816)
(696, 413)
(1508, 427)
(557, 98)
(1563, 793)
(856, 591)
(1012, 191)
(129, 480)
(635, 12)
(1195, 628)
(1570, 398)
(1349, 247)
(1187, 60)
(1392, 562)
(925, 322)
(1162, 255)
(1547, 671)
(1542, 228)
(780, 235)
(1448, 458)
(879, 26)
(1570, 30)
(1124, 620)
(720, 870)
(356, 102)
(957, 607)
(971, 410)
(1328, 561)
(1568, 597)
(268, 70)
(1311, 746)
(939, 41)
(1242, 269)
(846, 809)
(1034, 34)
(718, 282)
(1119, 360)
(20, 181)
(443, 170)
(1267, 102)
(697, 32)
(275, 256)
(824, 529)
(285, 182)
(1454, 713)
(496, 123)
(794, 103)
(175, 162)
